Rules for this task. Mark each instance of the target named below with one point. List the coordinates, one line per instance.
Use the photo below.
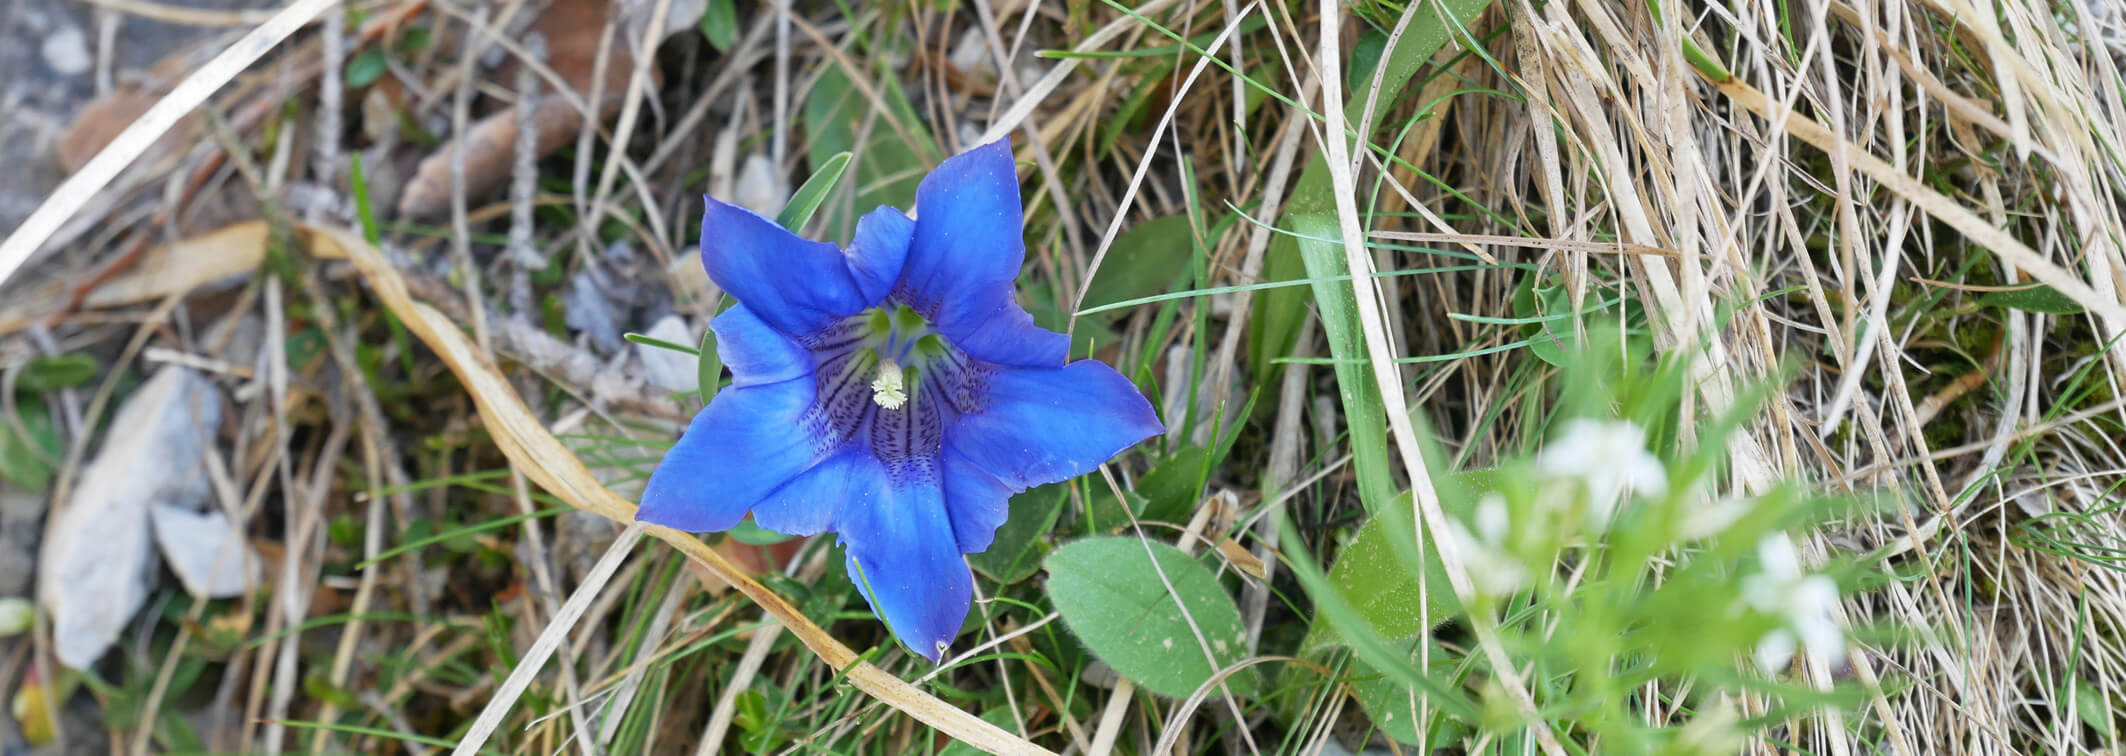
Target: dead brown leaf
(162, 271)
(572, 29)
(102, 119)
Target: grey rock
(589, 312)
(67, 51)
(98, 565)
(664, 368)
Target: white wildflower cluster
(1609, 457)
(1802, 602)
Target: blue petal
(879, 251)
(797, 286)
(1040, 426)
(808, 504)
(967, 249)
(977, 502)
(1002, 332)
(911, 571)
(748, 442)
(757, 353)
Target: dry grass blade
(1039, 91)
(1424, 497)
(542, 458)
(173, 269)
(1992, 237)
(727, 702)
(1170, 733)
(1136, 181)
(549, 639)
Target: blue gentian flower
(892, 392)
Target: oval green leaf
(719, 24)
(1147, 259)
(1111, 596)
(1393, 706)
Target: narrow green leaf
(1365, 416)
(1704, 61)
(709, 369)
(1110, 593)
(2043, 299)
(57, 372)
(1208, 291)
(360, 185)
(647, 340)
(457, 534)
(806, 200)
(1253, 23)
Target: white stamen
(889, 389)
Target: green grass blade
(807, 199)
(659, 343)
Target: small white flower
(1492, 519)
(1493, 570)
(1610, 457)
(1803, 602)
(1711, 518)
(1714, 731)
